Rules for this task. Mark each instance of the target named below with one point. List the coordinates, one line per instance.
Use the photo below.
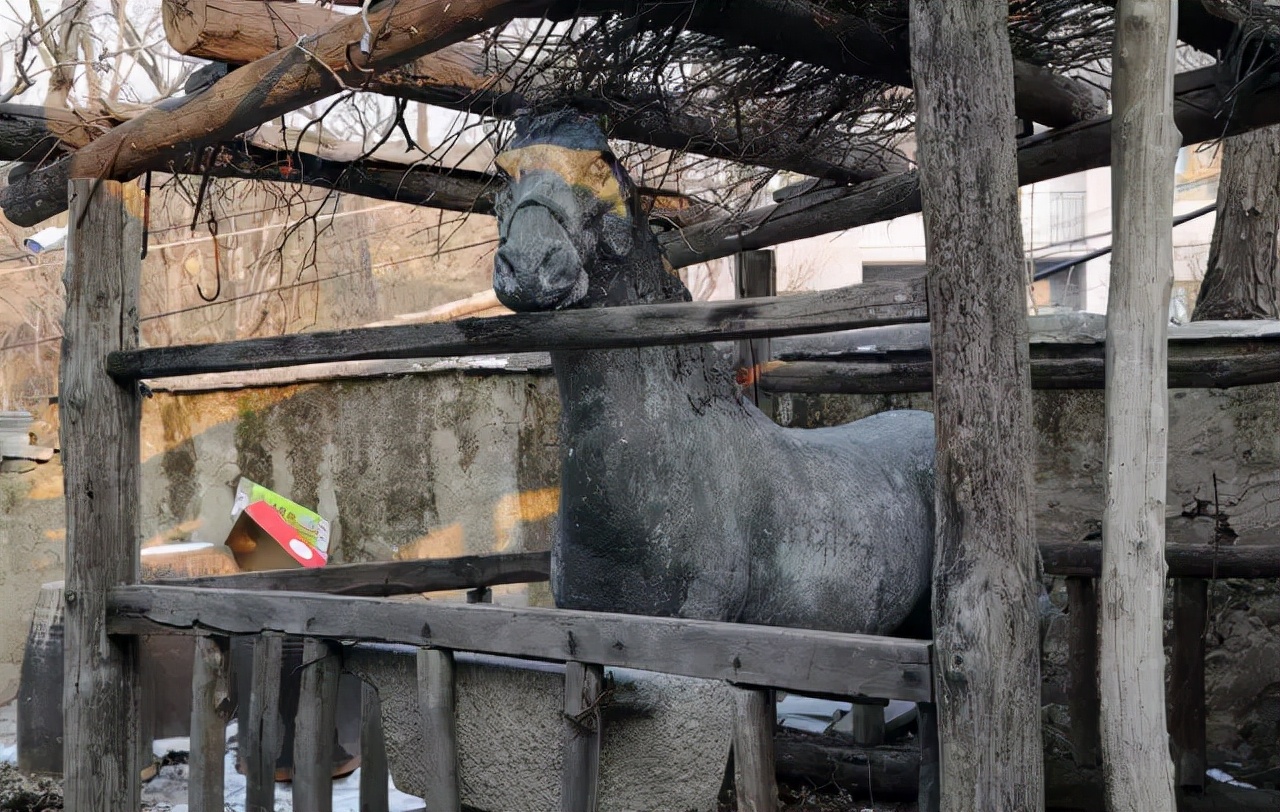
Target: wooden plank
(1082, 667)
(315, 726)
(101, 453)
(598, 328)
(262, 729)
(373, 753)
(1186, 682)
(439, 729)
(754, 772)
(764, 656)
(385, 578)
(583, 732)
(1204, 364)
(211, 709)
(1084, 558)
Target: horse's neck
(644, 383)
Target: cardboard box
(272, 532)
(262, 540)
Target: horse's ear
(617, 234)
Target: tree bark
(1137, 769)
(1242, 280)
(985, 586)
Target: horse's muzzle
(537, 266)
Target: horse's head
(570, 229)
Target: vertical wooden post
(101, 461)
(580, 778)
(373, 753)
(1186, 679)
(439, 736)
(930, 797)
(755, 275)
(315, 726)
(1082, 663)
(985, 581)
(755, 779)
(262, 730)
(210, 712)
(1137, 769)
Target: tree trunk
(985, 586)
(1137, 769)
(1242, 280)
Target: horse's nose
(536, 267)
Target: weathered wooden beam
(436, 700)
(261, 729)
(1187, 731)
(33, 134)
(315, 724)
(1082, 666)
(639, 325)
(211, 709)
(374, 795)
(764, 656)
(1084, 559)
(583, 734)
(386, 578)
(1201, 112)
(303, 72)
(1209, 364)
(755, 779)
(101, 470)
(1131, 662)
(985, 579)
(459, 77)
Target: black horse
(679, 497)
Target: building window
(1066, 217)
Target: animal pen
(977, 359)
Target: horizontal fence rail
(762, 656)
(386, 578)
(1217, 364)
(866, 305)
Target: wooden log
(314, 726)
(764, 656)
(1201, 111)
(373, 753)
(754, 771)
(303, 72)
(580, 776)
(460, 77)
(1215, 364)
(101, 469)
(439, 729)
(262, 729)
(386, 578)
(241, 31)
(599, 328)
(1131, 613)
(986, 583)
(1186, 682)
(211, 709)
(888, 772)
(33, 134)
(1084, 559)
(1082, 667)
